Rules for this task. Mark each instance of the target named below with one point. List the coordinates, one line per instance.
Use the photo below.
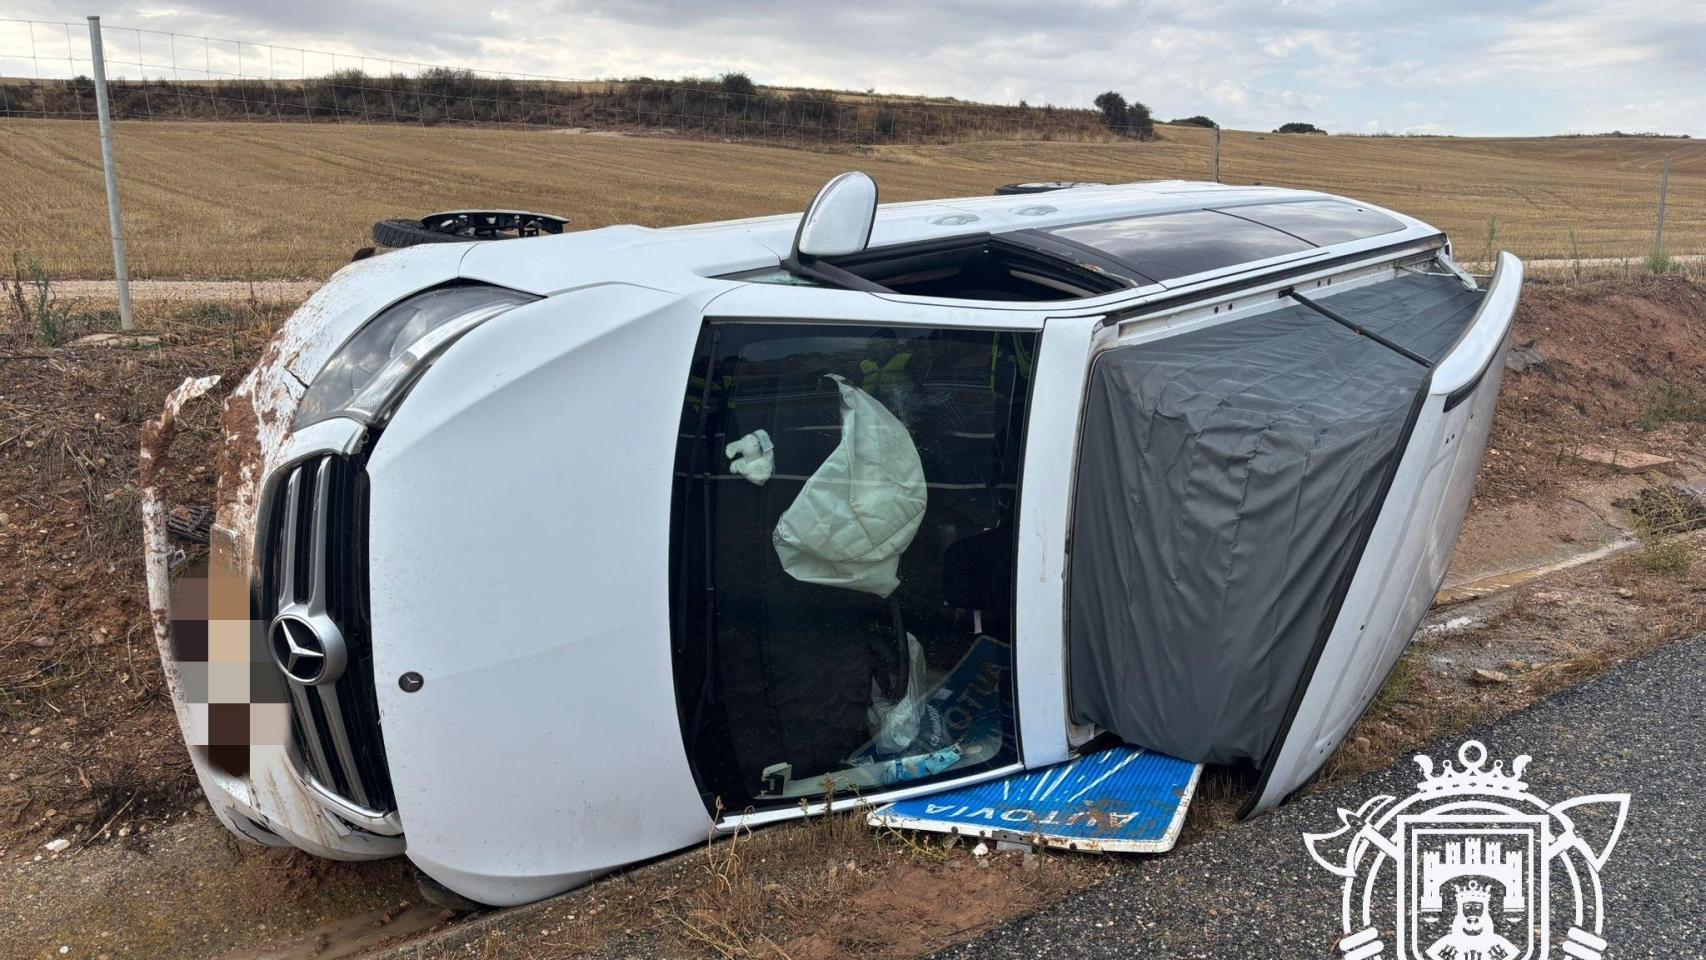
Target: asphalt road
(1253, 891)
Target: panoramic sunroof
(1170, 245)
(1321, 222)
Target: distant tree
(1140, 122)
(1296, 127)
(738, 83)
(1197, 121)
(1113, 107)
(1127, 119)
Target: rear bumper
(1409, 548)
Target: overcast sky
(1486, 67)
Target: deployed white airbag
(859, 511)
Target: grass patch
(1398, 687)
(1666, 402)
(209, 314)
(38, 312)
(1492, 242)
(1672, 558)
(1662, 514)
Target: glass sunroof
(1170, 245)
(1321, 222)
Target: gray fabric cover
(1226, 481)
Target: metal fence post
(114, 221)
(1217, 153)
(1664, 188)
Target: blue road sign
(1125, 799)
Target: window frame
(1050, 701)
(1101, 275)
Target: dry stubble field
(256, 200)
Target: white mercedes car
(545, 556)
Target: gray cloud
(1525, 67)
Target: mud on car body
(546, 555)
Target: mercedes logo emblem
(308, 647)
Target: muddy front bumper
(283, 759)
(284, 762)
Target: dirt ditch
(93, 757)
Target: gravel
(189, 291)
(1252, 891)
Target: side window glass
(842, 560)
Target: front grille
(315, 568)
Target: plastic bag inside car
(859, 510)
(895, 723)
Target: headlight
(368, 374)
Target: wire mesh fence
(308, 105)
(156, 75)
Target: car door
(1404, 559)
(845, 548)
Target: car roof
(919, 220)
(693, 253)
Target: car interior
(1087, 259)
(803, 667)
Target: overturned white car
(545, 556)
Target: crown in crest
(1474, 892)
(1475, 776)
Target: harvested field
(249, 201)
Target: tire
(408, 233)
(440, 895)
(463, 226)
(1045, 186)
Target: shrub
(1298, 127)
(1197, 121)
(1666, 402)
(738, 83)
(727, 105)
(1671, 558)
(1661, 515)
(38, 310)
(1660, 263)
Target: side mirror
(839, 219)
